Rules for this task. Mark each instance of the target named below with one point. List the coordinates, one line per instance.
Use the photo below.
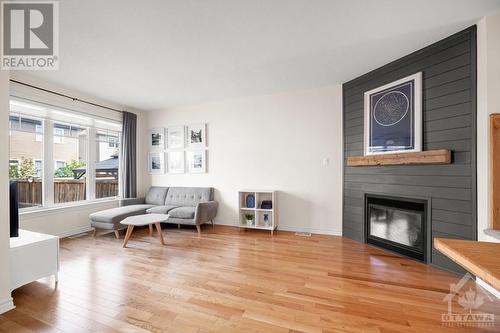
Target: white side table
(33, 256)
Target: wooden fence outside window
(65, 190)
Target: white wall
(278, 142)
(5, 298)
(488, 101)
(68, 221)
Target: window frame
(48, 134)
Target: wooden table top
(480, 258)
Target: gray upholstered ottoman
(110, 219)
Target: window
(25, 159)
(38, 133)
(61, 142)
(58, 135)
(13, 168)
(106, 168)
(113, 142)
(38, 168)
(70, 160)
(59, 164)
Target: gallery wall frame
(156, 138)
(156, 163)
(196, 161)
(176, 163)
(176, 137)
(196, 135)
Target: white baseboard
(488, 287)
(76, 231)
(330, 232)
(6, 305)
(311, 230)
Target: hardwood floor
(231, 281)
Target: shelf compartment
(261, 196)
(243, 199)
(260, 219)
(245, 210)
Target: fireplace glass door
(397, 225)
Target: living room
(221, 166)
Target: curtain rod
(67, 96)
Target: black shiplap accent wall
(449, 121)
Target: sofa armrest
(205, 212)
(131, 201)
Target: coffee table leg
(150, 230)
(127, 235)
(160, 234)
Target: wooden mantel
(479, 258)
(441, 156)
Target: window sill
(69, 206)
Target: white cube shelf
(258, 212)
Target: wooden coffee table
(142, 220)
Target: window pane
(107, 145)
(70, 154)
(26, 159)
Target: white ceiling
(156, 54)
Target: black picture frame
(393, 117)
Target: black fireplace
(397, 224)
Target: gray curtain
(128, 176)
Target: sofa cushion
(188, 196)
(182, 212)
(115, 215)
(156, 195)
(160, 209)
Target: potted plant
(249, 219)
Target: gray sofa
(185, 205)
